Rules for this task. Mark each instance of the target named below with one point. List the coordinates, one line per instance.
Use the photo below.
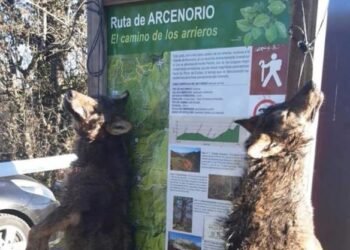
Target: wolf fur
(94, 209)
(273, 209)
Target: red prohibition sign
(264, 101)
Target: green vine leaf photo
(263, 22)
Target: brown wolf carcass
(273, 209)
(94, 210)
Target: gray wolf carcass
(94, 210)
(273, 209)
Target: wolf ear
(118, 127)
(248, 124)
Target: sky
(195, 239)
(184, 150)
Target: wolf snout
(310, 85)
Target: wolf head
(97, 118)
(283, 127)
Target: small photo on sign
(222, 187)
(178, 241)
(185, 159)
(183, 214)
(269, 70)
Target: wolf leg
(39, 244)
(58, 220)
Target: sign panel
(192, 67)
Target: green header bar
(195, 24)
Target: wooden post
(320, 22)
(296, 55)
(314, 16)
(97, 55)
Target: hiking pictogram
(269, 70)
(274, 67)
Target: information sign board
(192, 67)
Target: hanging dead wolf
(273, 209)
(94, 210)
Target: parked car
(23, 203)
